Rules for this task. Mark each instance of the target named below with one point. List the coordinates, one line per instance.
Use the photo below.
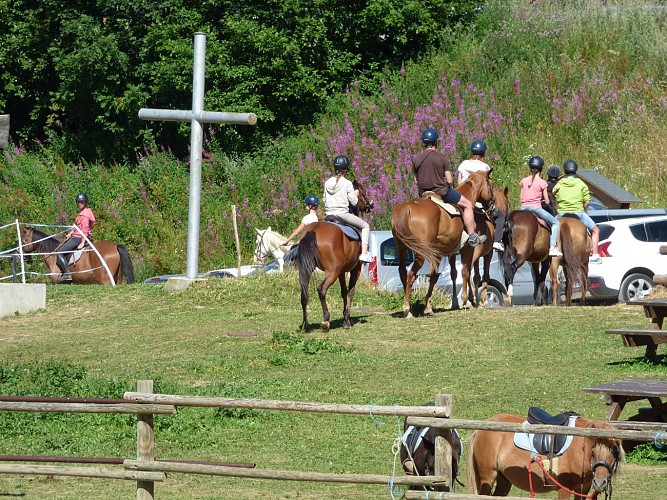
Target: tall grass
(560, 79)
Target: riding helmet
(536, 163)
(341, 163)
(82, 198)
(553, 171)
(312, 200)
(570, 167)
(478, 147)
(430, 136)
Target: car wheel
(494, 297)
(634, 287)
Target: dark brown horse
(485, 224)
(526, 240)
(431, 232)
(100, 265)
(494, 460)
(575, 243)
(324, 245)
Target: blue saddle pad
(349, 231)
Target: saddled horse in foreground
(89, 268)
(431, 233)
(324, 245)
(494, 460)
(526, 239)
(485, 225)
(575, 243)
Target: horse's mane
(273, 236)
(45, 243)
(475, 184)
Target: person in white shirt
(312, 204)
(339, 194)
(477, 164)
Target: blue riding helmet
(312, 200)
(341, 162)
(478, 147)
(536, 162)
(430, 136)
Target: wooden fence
(146, 470)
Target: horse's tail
(306, 260)
(400, 227)
(508, 258)
(575, 268)
(126, 264)
(471, 470)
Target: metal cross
(196, 116)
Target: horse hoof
(324, 326)
(428, 312)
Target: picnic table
(617, 394)
(656, 311)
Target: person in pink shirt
(533, 193)
(75, 238)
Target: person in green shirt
(572, 196)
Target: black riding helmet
(536, 163)
(478, 147)
(82, 198)
(553, 171)
(570, 167)
(341, 163)
(430, 136)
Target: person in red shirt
(75, 238)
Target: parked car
(630, 252)
(230, 272)
(383, 271)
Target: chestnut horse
(431, 232)
(324, 245)
(89, 269)
(527, 240)
(575, 243)
(493, 459)
(485, 224)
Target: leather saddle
(546, 444)
(437, 199)
(350, 231)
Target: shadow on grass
(639, 361)
(337, 323)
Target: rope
(536, 459)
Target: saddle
(546, 444)
(437, 199)
(350, 231)
(76, 255)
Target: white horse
(270, 243)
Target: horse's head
(479, 188)
(268, 242)
(365, 204)
(606, 455)
(28, 238)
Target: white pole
(18, 234)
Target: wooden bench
(649, 337)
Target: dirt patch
(245, 334)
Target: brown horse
(431, 232)
(485, 224)
(324, 245)
(493, 459)
(526, 240)
(89, 269)
(575, 243)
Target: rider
(534, 192)
(433, 173)
(74, 240)
(572, 196)
(553, 175)
(476, 164)
(339, 194)
(312, 204)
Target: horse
(431, 232)
(418, 452)
(324, 245)
(89, 268)
(485, 224)
(526, 240)
(575, 243)
(493, 459)
(269, 242)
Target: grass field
(239, 338)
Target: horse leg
(453, 274)
(432, 280)
(347, 298)
(466, 261)
(409, 281)
(304, 307)
(503, 486)
(553, 274)
(329, 279)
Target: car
(630, 254)
(230, 272)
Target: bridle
(261, 250)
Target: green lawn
(239, 338)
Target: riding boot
(62, 265)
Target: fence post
(443, 448)
(145, 443)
